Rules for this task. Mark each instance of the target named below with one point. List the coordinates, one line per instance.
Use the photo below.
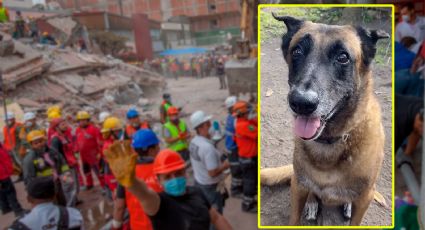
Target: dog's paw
(311, 208)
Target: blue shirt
(230, 133)
(403, 57)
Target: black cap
(41, 188)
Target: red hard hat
(240, 107)
(167, 161)
(55, 122)
(173, 110)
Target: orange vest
(246, 137)
(130, 130)
(10, 139)
(138, 218)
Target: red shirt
(6, 165)
(246, 137)
(88, 143)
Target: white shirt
(204, 157)
(416, 30)
(46, 216)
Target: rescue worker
(176, 134)
(42, 161)
(4, 13)
(11, 139)
(146, 144)
(165, 105)
(47, 39)
(232, 149)
(179, 206)
(8, 201)
(44, 213)
(134, 123)
(103, 116)
(246, 138)
(20, 26)
(30, 124)
(63, 143)
(205, 158)
(221, 73)
(88, 144)
(112, 130)
(52, 113)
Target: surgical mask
(405, 18)
(175, 186)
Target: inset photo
(326, 115)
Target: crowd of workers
(197, 66)
(149, 186)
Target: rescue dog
(339, 137)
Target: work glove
(122, 162)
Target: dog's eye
(297, 52)
(343, 58)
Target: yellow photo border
(260, 6)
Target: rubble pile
(49, 75)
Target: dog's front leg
(360, 206)
(298, 199)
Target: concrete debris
(49, 75)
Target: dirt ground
(277, 137)
(192, 95)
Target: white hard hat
(29, 116)
(198, 118)
(10, 115)
(103, 116)
(230, 101)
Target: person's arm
(218, 220)
(167, 137)
(118, 214)
(219, 170)
(212, 162)
(162, 114)
(28, 169)
(122, 162)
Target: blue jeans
(409, 84)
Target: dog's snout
(303, 102)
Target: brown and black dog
(339, 143)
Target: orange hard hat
(240, 107)
(173, 110)
(167, 161)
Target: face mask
(405, 18)
(175, 186)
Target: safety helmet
(53, 109)
(53, 115)
(240, 107)
(198, 118)
(103, 116)
(55, 122)
(132, 113)
(35, 135)
(83, 115)
(230, 101)
(167, 161)
(111, 124)
(173, 110)
(29, 116)
(144, 138)
(9, 115)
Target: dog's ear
(369, 38)
(293, 25)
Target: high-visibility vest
(3, 15)
(44, 169)
(166, 106)
(175, 131)
(10, 137)
(130, 130)
(138, 218)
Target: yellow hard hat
(111, 123)
(35, 135)
(54, 108)
(53, 115)
(83, 115)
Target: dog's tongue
(306, 127)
